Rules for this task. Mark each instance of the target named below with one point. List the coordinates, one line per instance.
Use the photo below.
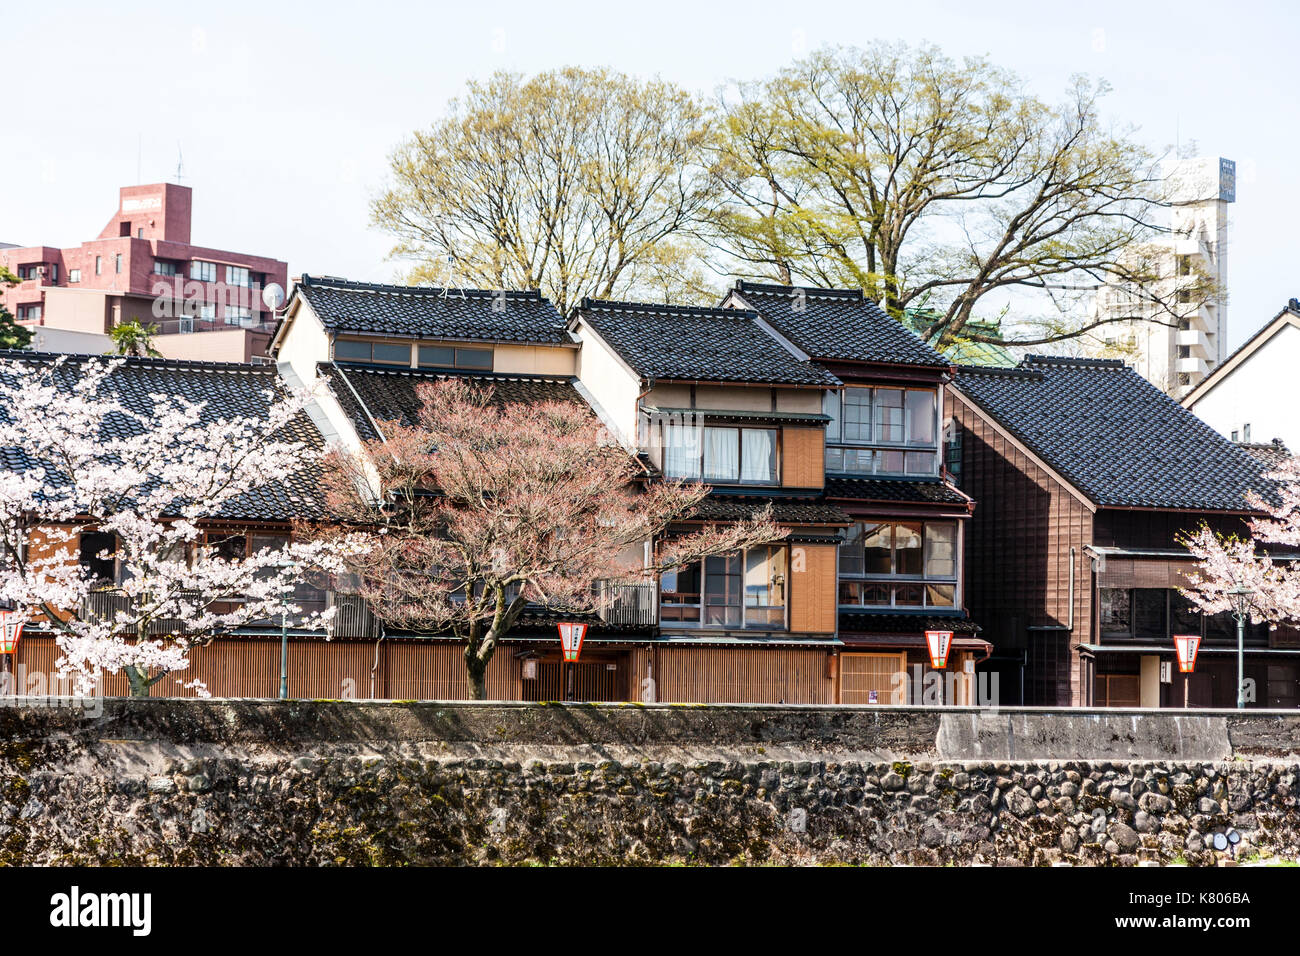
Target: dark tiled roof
(1114, 436)
(372, 393)
(890, 489)
(838, 324)
(785, 510)
(886, 622)
(1271, 453)
(694, 344)
(225, 390)
(421, 312)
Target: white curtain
(721, 454)
(760, 455)
(681, 451)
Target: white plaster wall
(71, 341)
(534, 359)
(610, 384)
(1258, 391)
(304, 344)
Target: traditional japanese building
(1085, 477)
(830, 416)
(900, 571)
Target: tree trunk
(139, 682)
(476, 670)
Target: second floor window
(445, 356)
(203, 271)
(164, 268)
(1155, 615)
(237, 275)
(719, 453)
(74, 275)
(381, 353)
(882, 431)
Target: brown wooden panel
(1017, 546)
(1118, 690)
(812, 588)
(803, 457)
(250, 667)
(732, 675)
(861, 674)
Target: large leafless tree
(578, 182)
(942, 184)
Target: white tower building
(1176, 357)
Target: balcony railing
(628, 603)
(353, 617)
(106, 604)
(187, 324)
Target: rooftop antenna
(449, 272)
(180, 164)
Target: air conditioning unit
(186, 323)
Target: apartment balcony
(1197, 341)
(186, 325)
(1193, 365)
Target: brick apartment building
(143, 266)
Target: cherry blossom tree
(87, 463)
(1241, 564)
(481, 508)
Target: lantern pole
(1241, 604)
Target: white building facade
(1246, 397)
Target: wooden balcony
(628, 603)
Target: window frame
(1214, 629)
(456, 362)
(701, 472)
(702, 604)
(370, 348)
(865, 582)
(873, 449)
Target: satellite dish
(273, 296)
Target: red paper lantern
(11, 631)
(571, 636)
(1186, 646)
(940, 642)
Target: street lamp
(1241, 605)
(284, 644)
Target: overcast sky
(285, 113)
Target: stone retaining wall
(321, 782)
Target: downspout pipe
(1069, 626)
(375, 666)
